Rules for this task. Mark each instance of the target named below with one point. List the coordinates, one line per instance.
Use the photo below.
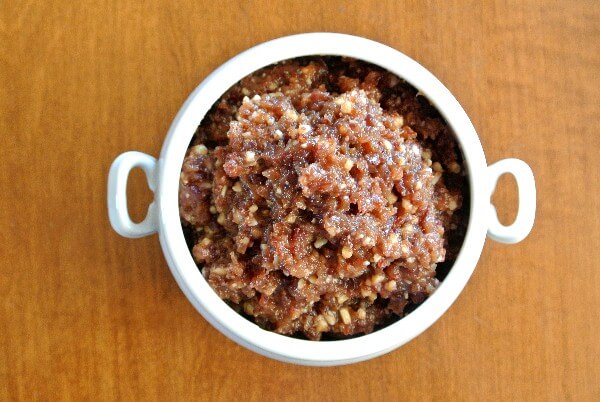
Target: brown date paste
(320, 197)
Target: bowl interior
(454, 182)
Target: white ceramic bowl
(163, 213)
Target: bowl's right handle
(523, 223)
(117, 195)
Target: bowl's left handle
(117, 195)
(523, 223)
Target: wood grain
(86, 314)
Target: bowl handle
(523, 223)
(117, 195)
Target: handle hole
(139, 196)
(506, 199)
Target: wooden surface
(86, 314)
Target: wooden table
(86, 314)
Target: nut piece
(398, 121)
(392, 198)
(345, 314)
(321, 324)
(390, 286)
(291, 114)
(320, 242)
(237, 216)
(304, 128)
(346, 252)
(237, 187)
(348, 165)
(250, 156)
(331, 230)
(330, 318)
(218, 271)
(244, 241)
(364, 292)
(454, 167)
(377, 278)
(346, 107)
(200, 149)
(341, 299)
(361, 313)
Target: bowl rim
(196, 288)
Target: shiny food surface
(313, 207)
